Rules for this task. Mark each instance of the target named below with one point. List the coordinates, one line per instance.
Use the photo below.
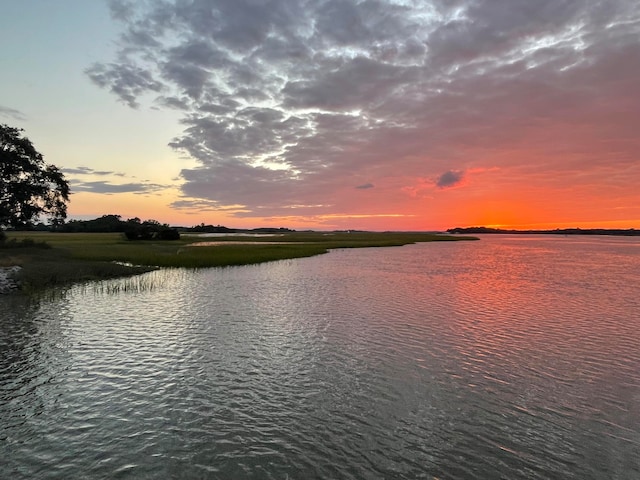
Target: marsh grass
(14, 243)
(81, 257)
(135, 284)
(40, 272)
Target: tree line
(132, 228)
(31, 190)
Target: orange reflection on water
(551, 309)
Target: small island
(557, 231)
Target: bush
(168, 234)
(138, 233)
(145, 232)
(3, 236)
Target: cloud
(12, 113)
(111, 188)
(198, 206)
(292, 103)
(450, 179)
(90, 171)
(128, 82)
(365, 186)
(121, 9)
(81, 180)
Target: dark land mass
(138, 228)
(557, 231)
(202, 228)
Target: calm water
(511, 357)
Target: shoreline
(54, 259)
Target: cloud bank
(300, 105)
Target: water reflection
(541, 340)
(505, 358)
(34, 358)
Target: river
(506, 358)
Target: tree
(149, 230)
(29, 187)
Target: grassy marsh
(78, 257)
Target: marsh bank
(78, 257)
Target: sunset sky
(333, 114)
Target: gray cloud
(292, 103)
(126, 81)
(449, 179)
(121, 9)
(365, 186)
(111, 188)
(12, 113)
(90, 171)
(80, 180)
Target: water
(511, 357)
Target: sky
(333, 114)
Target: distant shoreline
(630, 232)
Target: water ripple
(505, 358)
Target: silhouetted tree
(167, 233)
(29, 187)
(149, 230)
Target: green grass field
(78, 257)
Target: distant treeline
(202, 228)
(133, 228)
(136, 229)
(557, 231)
